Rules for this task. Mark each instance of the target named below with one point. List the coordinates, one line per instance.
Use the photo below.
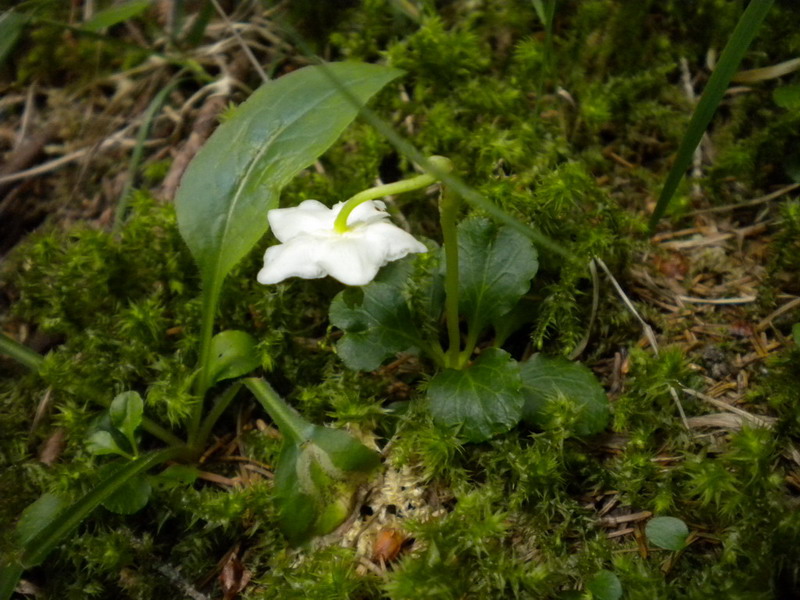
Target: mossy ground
(573, 136)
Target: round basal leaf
(377, 324)
(279, 130)
(481, 401)
(126, 413)
(604, 585)
(233, 354)
(667, 532)
(37, 516)
(495, 268)
(131, 497)
(558, 392)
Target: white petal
(298, 257)
(351, 260)
(393, 242)
(306, 217)
(368, 212)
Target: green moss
(573, 139)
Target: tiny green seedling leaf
(103, 442)
(483, 400)
(604, 585)
(126, 415)
(495, 268)
(233, 354)
(796, 334)
(547, 380)
(667, 532)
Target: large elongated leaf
(236, 177)
(495, 268)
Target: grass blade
(21, 353)
(729, 61)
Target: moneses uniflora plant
(401, 292)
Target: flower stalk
(448, 208)
(390, 189)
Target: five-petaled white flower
(311, 248)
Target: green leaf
(11, 26)
(233, 354)
(604, 585)
(551, 384)
(236, 177)
(116, 14)
(316, 482)
(37, 516)
(377, 324)
(132, 496)
(726, 67)
(126, 412)
(495, 268)
(39, 545)
(318, 471)
(483, 400)
(103, 442)
(796, 334)
(174, 476)
(787, 96)
(667, 532)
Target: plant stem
(161, 433)
(448, 208)
(291, 424)
(210, 302)
(31, 359)
(215, 413)
(389, 189)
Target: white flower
(310, 247)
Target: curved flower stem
(447, 218)
(390, 189)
